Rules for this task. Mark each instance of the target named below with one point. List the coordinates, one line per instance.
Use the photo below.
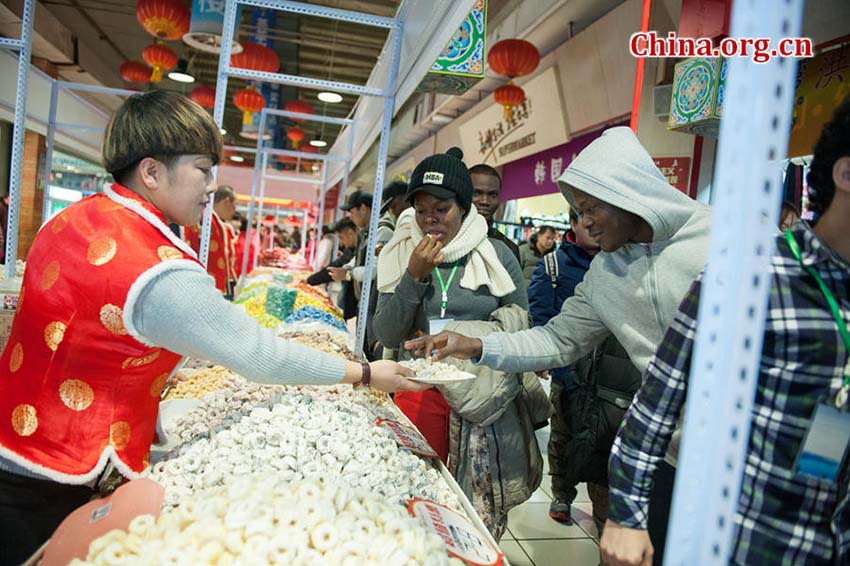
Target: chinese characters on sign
(490, 137)
(533, 125)
(822, 82)
(677, 171)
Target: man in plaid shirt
(782, 517)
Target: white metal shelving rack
(387, 93)
(24, 48)
(724, 370)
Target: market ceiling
(107, 34)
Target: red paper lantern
(248, 101)
(513, 58)
(256, 57)
(164, 19)
(509, 95)
(299, 106)
(295, 135)
(160, 58)
(203, 95)
(135, 72)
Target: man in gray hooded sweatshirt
(654, 242)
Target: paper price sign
(462, 539)
(408, 438)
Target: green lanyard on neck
(833, 307)
(444, 299)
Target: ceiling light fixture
(330, 97)
(318, 142)
(237, 158)
(180, 73)
(223, 131)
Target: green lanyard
(444, 299)
(841, 398)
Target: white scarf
(483, 266)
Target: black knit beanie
(445, 176)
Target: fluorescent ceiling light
(330, 97)
(181, 72)
(318, 143)
(237, 158)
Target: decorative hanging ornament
(160, 58)
(135, 72)
(513, 58)
(204, 95)
(164, 19)
(299, 106)
(509, 95)
(248, 100)
(256, 57)
(295, 135)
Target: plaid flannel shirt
(782, 518)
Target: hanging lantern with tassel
(135, 72)
(164, 19)
(296, 136)
(256, 57)
(248, 100)
(509, 95)
(204, 95)
(160, 58)
(299, 106)
(512, 58)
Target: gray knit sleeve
(182, 311)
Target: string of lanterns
(170, 20)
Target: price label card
(408, 438)
(462, 539)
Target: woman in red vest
(111, 300)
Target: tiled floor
(533, 539)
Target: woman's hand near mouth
(425, 257)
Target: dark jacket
(545, 298)
(323, 277)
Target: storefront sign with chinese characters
(534, 125)
(822, 83)
(677, 171)
(538, 174)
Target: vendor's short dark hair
(160, 124)
(833, 144)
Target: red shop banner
(677, 171)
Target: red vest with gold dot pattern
(78, 385)
(221, 263)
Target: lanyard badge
(824, 448)
(844, 392)
(444, 287)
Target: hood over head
(615, 168)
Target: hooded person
(654, 243)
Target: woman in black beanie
(440, 270)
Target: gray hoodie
(634, 292)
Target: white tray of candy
(435, 373)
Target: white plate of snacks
(435, 373)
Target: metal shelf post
(735, 287)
